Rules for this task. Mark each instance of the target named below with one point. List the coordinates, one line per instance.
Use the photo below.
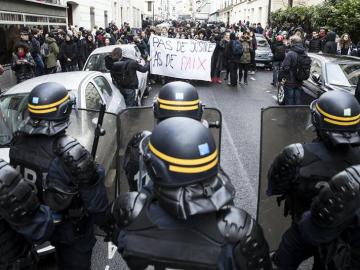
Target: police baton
(99, 131)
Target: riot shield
(280, 126)
(82, 127)
(134, 120)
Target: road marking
(245, 176)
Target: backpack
(237, 48)
(302, 68)
(122, 76)
(279, 53)
(44, 49)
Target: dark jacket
(69, 50)
(143, 48)
(229, 53)
(90, 46)
(330, 45)
(289, 64)
(276, 46)
(35, 44)
(315, 45)
(131, 65)
(81, 46)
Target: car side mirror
(316, 78)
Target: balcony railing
(49, 2)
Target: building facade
(254, 11)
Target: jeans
(245, 68)
(129, 96)
(39, 65)
(292, 95)
(233, 67)
(276, 67)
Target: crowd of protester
(61, 50)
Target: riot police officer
(67, 179)
(19, 205)
(174, 99)
(184, 217)
(298, 173)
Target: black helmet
(182, 160)
(336, 116)
(178, 99)
(49, 101)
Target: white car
(90, 89)
(96, 62)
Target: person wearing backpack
(278, 49)
(123, 73)
(245, 60)
(294, 70)
(234, 51)
(51, 53)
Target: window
(92, 17)
(104, 87)
(106, 18)
(149, 6)
(92, 97)
(315, 69)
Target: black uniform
(68, 181)
(301, 170)
(184, 218)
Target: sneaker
(218, 80)
(246, 83)
(229, 83)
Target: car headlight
(271, 54)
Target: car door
(311, 87)
(113, 98)
(92, 96)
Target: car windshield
(96, 62)
(261, 42)
(12, 113)
(343, 74)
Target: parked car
(96, 62)
(90, 89)
(328, 72)
(263, 54)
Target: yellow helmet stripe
(194, 169)
(342, 123)
(179, 108)
(40, 107)
(179, 161)
(42, 111)
(334, 117)
(178, 102)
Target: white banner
(181, 58)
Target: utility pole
(269, 13)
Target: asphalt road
(241, 111)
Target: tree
(341, 16)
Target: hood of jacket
(50, 40)
(298, 48)
(331, 36)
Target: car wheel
(281, 95)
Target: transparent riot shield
(134, 120)
(280, 126)
(82, 127)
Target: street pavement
(241, 111)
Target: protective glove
(78, 161)
(338, 202)
(18, 197)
